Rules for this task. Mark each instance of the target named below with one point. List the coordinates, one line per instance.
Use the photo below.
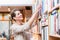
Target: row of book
(53, 18)
(42, 22)
(55, 22)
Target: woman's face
(18, 16)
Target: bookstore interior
(46, 26)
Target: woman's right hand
(39, 7)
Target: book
(53, 22)
(45, 33)
(58, 22)
(44, 5)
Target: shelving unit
(53, 25)
(48, 5)
(37, 35)
(53, 36)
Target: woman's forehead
(17, 12)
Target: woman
(18, 28)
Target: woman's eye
(18, 13)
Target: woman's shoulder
(26, 24)
(13, 26)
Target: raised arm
(34, 15)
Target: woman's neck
(19, 22)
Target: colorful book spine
(43, 38)
(51, 24)
(53, 21)
(46, 33)
(55, 16)
(58, 22)
(40, 28)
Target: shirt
(17, 31)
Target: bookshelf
(45, 24)
(37, 30)
(53, 32)
(52, 20)
(49, 20)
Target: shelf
(44, 25)
(37, 33)
(55, 36)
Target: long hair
(13, 14)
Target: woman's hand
(38, 7)
(35, 14)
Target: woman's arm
(34, 15)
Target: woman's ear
(14, 18)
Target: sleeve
(11, 31)
(26, 26)
(22, 28)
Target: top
(18, 31)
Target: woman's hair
(13, 14)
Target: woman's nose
(20, 14)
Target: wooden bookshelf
(55, 36)
(52, 36)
